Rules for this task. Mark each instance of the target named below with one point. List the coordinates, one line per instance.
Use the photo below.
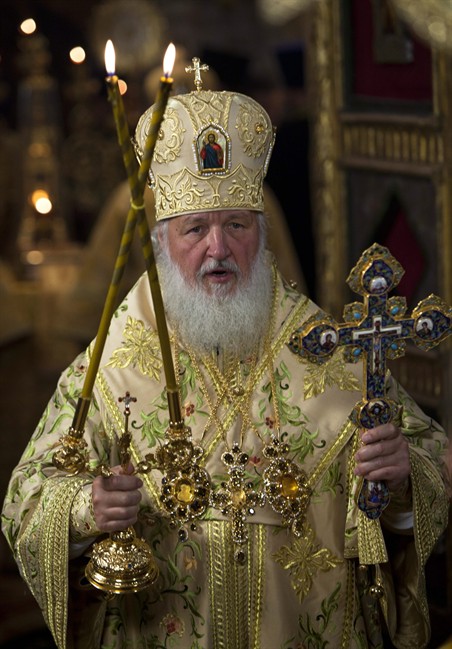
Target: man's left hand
(384, 456)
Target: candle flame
(168, 61)
(110, 58)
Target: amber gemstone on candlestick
(289, 486)
(185, 492)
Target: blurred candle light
(41, 201)
(77, 55)
(28, 26)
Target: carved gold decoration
(286, 486)
(186, 488)
(122, 564)
(327, 186)
(236, 498)
(368, 141)
(73, 456)
(390, 142)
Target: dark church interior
(362, 102)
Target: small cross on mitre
(197, 68)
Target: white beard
(235, 323)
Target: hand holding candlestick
(122, 563)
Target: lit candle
(137, 183)
(73, 456)
(157, 114)
(115, 98)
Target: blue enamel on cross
(373, 330)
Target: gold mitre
(212, 153)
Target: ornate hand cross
(374, 331)
(197, 68)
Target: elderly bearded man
(278, 573)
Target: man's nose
(217, 243)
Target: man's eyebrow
(193, 218)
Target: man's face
(214, 249)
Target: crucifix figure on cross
(373, 331)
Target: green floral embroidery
(154, 426)
(179, 581)
(313, 630)
(121, 309)
(288, 414)
(303, 444)
(141, 349)
(332, 480)
(187, 378)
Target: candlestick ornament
(122, 563)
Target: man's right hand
(116, 500)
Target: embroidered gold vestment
(305, 592)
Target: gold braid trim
(431, 509)
(429, 495)
(260, 369)
(341, 440)
(236, 591)
(349, 605)
(43, 552)
(371, 542)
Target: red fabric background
(399, 81)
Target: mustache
(213, 265)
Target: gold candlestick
(136, 190)
(72, 457)
(137, 183)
